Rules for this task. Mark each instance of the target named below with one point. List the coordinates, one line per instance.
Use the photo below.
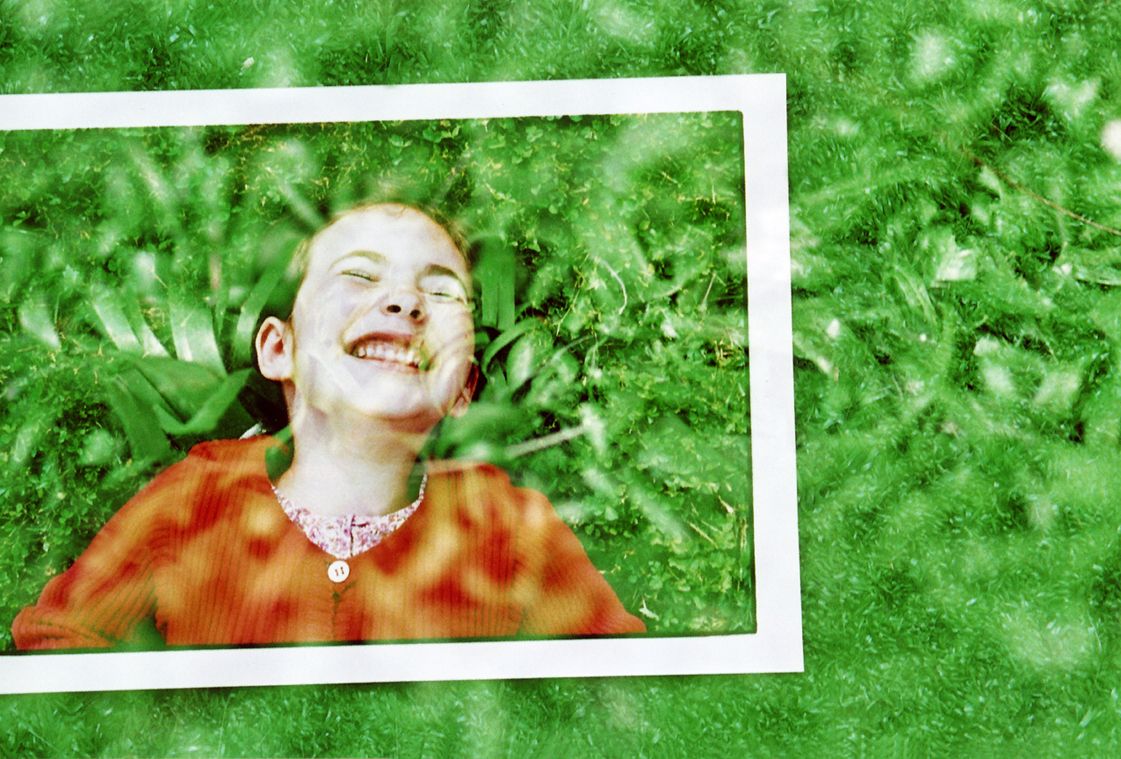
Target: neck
(354, 469)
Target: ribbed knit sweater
(206, 553)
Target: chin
(398, 400)
(407, 417)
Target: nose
(404, 301)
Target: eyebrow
(438, 269)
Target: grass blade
(145, 438)
(185, 386)
(496, 272)
(193, 332)
(505, 339)
(149, 343)
(250, 312)
(212, 411)
(111, 320)
(37, 322)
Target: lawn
(954, 174)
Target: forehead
(401, 235)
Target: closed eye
(360, 274)
(449, 292)
(446, 294)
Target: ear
(468, 392)
(274, 344)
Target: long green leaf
(496, 271)
(279, 457)
(522, 363)
(507, 307)
(483, 421)
(149, 343)
(143, 391)
(184, 385)
(193, 332)
(505, 339)
(211, 412)
(497, 389)
(26, 442)
(250, 312)
(111, 320)
(17, 260)
(36, 321)
(145, 438)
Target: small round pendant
(338, 571)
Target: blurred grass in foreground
(957, 376)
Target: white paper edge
(776, 646)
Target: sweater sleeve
(569, 595)
(104, 597)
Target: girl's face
(382, 324)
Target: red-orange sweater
(208, 554)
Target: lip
(399, 351)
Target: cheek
(325, 323)
(464, 345)
(453, 331)
(457, 347)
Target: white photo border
(776, 646)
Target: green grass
(138, 313)
(958, 386)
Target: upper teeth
(383, 351)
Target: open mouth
(392, 350)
